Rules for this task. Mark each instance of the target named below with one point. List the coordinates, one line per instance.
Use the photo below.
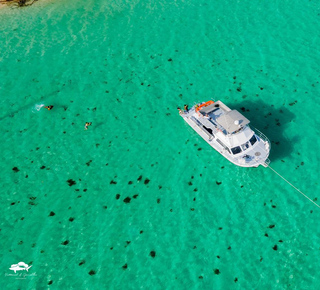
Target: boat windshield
(245, 146)
(236, 150)
(253, 140)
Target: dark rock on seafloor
(71, 182)
(152, 254)
(216, 271)
(146, 181)
(127, 200)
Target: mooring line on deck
(293, 186)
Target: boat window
(236, 150)
(245, 146)
(253, 140)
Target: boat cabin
(228, 126)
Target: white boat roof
(228, 121)
(236, 139)
(209, 108)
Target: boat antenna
(294, 186)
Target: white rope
(294, 186)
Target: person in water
(87, 124)
(49, 107)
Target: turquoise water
(134, 201)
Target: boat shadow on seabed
(271, 121)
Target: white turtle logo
(20, 267)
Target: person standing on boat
(180, 111)
(186, 108)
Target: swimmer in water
(87, 124)
(49, 107)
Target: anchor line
(294, 186)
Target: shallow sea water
(125, 66)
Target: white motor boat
(228, 132)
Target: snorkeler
(49, 107)
(87, 124)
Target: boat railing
(266, 162)
(262, 136)
(253, 161)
